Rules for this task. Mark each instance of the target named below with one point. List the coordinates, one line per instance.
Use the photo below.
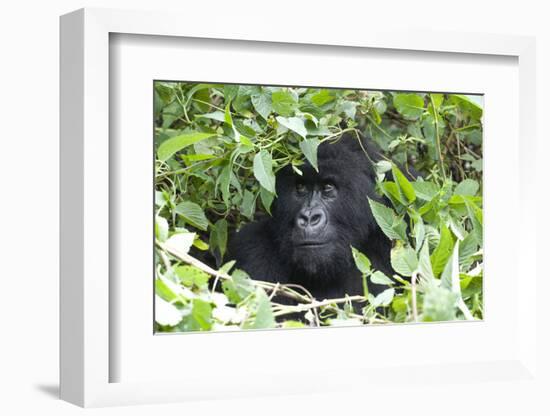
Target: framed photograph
(281, 213)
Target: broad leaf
(263, 170)
(180, 242)
(309, 148)
(192, 214)
(284, 103)
(175, 144)
(262, 103)
(263, 317)
(295, 124)
(166, 313)
(404, 260)
(405, 187)
(362, 262)
(410, 106)
(425, 190)
(467, 187)
(393, 226)
(380, 278)
(443, 251)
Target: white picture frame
(87, 305)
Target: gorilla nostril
(302, 221)
(315, 219)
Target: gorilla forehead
(341, 161)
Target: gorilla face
(319, 215)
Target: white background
(137, 60)
(29, 209)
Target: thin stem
(284, 309)
(437, 139)
(283, 290)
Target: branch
(315, 304)
(281, 289)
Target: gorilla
(316, 218)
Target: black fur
(336, 215)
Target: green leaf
(470, 285)
(466, 105)
(190, 159)
(249, 204)
(201, 245)
(263, 170)
(437, 100)
(216, 115)
(238, 287)
(218, 236)
(410, 106)
(161, 228)
(230, 92)
(476, 217)
(425, 264)
(405, 187)
(284, 103)
(166, 313)
(309, 148)
(295, 124)
(443, 251)
(322, 97)
(384, 298)
(175, 144)
(226, 268)
(403, 260)
(227, 118)
(450, 275)
(190, 275)
(362, 262)
(263, 104)
(164, 291)
(467, 248)
(419, 232)
(400, 304)
(267, 199)
(293, 324)
(224, 179)
(202, 314)
(349, 108)
(192, 214)
(467, 187)
(391, 191)
(393, 226)
(181, 242)
(425, 190)
(380, 278)
(263, 317)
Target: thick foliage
(225, 151)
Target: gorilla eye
(328, 188)
(301, 188)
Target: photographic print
(305, 207)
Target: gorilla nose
(311, 219)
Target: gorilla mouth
(311, 244)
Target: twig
(437, 139)
(282, 288)
(286, 309)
